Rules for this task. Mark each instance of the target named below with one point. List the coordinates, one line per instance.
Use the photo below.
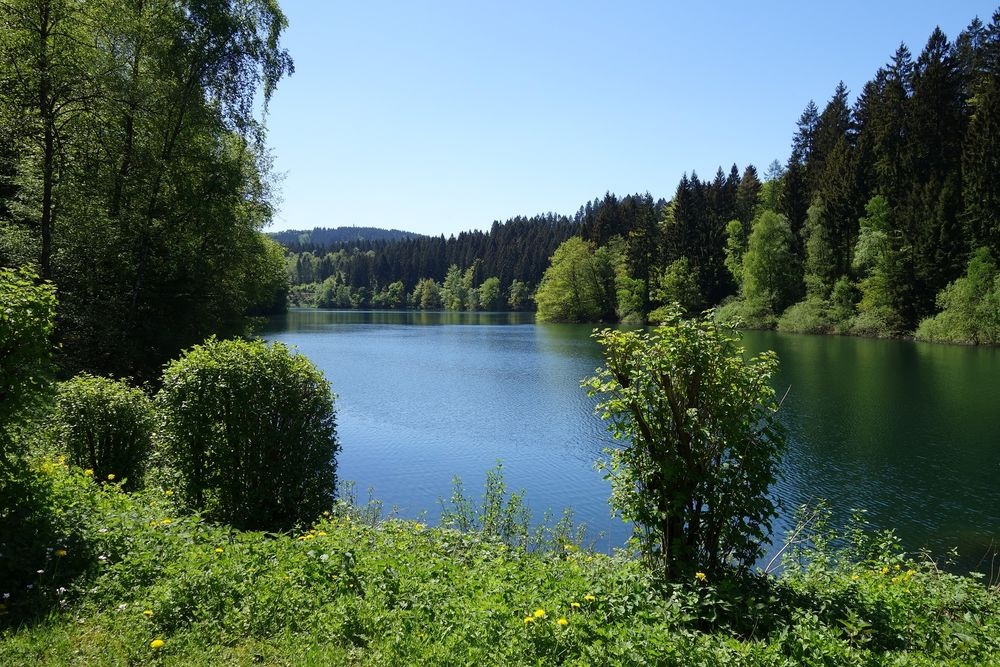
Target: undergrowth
(126, 578)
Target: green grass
(354, 590)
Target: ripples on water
(906, 431)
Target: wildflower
(885, 570)
(168, 492)
(910, 573)
(148, 613)
(700, 576)
(321, 533)
(562, 621)
(60, 553)
(539, 613)
(528, 620)
(854, 577)
(167, 521)
(589, 598)
(156, 643)
(111, 477)
(89, 472)
(574, 605)
(218, 550)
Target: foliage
(505, 516)
(970, 306)
(135, 172)
(770, 269)
(106, 427)
(702, 443)
(677, 284)
(251, 429)
(578, 286)
(811, 315)
(27, 315)
(399, 592)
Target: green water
(906, 431)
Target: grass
(106, 573)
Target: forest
(134, 174)
(883, 221)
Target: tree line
(133, 172)
(883, 221)
(475, 270)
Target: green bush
(811, 315)
(970, 306)
(106, 426)
(702, 442)
(27, 314)
(250, 427)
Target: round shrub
(250, 428)
(106, 425)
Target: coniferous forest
(884, 221)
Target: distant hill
(322, 236)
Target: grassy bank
(119, 578)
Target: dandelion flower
(539, 613)
(528, 619)
(700, 576)
(218, 550)
(148, 613)
(574, 605)
(589, 598)
(89, 472)
(562, 621)
(156, 643)
(111, 477)
(60, 553)
(167, 521)
(168, 492)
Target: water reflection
(907, 431)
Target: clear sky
(437, 117)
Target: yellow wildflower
(574, 605)
(910, 573)
(562, 621)
(89, 472)
(589, 598)
(148, 613)
(539, 613)
(167, 521)
(156, 643)
(218, 550)
(700, 576)
(168, 492)
(111, 477)
(60, 553)
(321, 533)
(885, 570)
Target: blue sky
(438, 117)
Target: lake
(910, 432)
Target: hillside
(323, 236)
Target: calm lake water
(909, 432)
